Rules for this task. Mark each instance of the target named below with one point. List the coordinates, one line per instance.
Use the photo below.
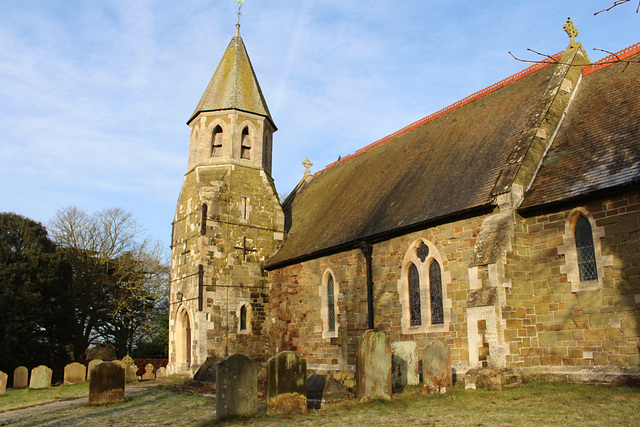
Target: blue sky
(94, 94)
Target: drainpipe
(367, 250)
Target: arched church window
(243, 318)
(245, 145)
(331, 307)
(415, 310)
(586, 253)
(435, 289)
(216, 142)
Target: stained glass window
(414, 296)
(435, 285)
(331, 304)
(586, 253)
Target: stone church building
(506, 225)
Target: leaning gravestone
(3, 382)
(373, 367)
(21, 377)
(40, 377)
(236, 387)
(207, 371)
(404, 364)
(148, 372)
(286, 384)
(436, 367)
(75, 373)
(92, 364)
(107, 383)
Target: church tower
(228, 221)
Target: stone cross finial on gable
(307, 164)
(571, 30)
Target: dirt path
(129, 388)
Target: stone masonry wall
(547, 323)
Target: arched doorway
(183, 339)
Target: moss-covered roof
(598, 144)
(234, 85)
(444, 166)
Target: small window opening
(586, 253)
(216, 142)
(245, 149)
(243, 318)
(203, 220)
(331, 304)
(245, 207)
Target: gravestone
(75, 373)
(92, 364)
(40, 377)
(207, 371)
(21, 377)
(107, 383)
(162, 372)
(286, 384)
(3, 382)
(236, 387)
(148, 372)
(436, 367)
(373, 367)
(131, 369)
(404, 364)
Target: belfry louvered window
(245, 148)
(331, 308)
(414, 296)
(435, 286)
(216, 142)
(243, 318)
(586, 253)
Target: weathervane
(239, 9)
(571, 30)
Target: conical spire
(234, 84)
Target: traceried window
(421, 290)
(435, 289)
(331, 307)
(586, 253)
(414, 296)
(245, 145)
(216, 142)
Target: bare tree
(617, 3)
(119, 274)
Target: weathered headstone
(286, 384)
(107, 383)
(3, 382)
(373, 367)
(131, 369)
(161, 372)
(75, 373)
(92, 364)
(148, 372)
(236, 387)
(404, 364)
(207, 371)
(40, 377)
(21, 377)
(436, 367)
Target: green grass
(23, 398)
(534, 404)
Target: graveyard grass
(536, 403)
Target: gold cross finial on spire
(307, 164)
(571, 30)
